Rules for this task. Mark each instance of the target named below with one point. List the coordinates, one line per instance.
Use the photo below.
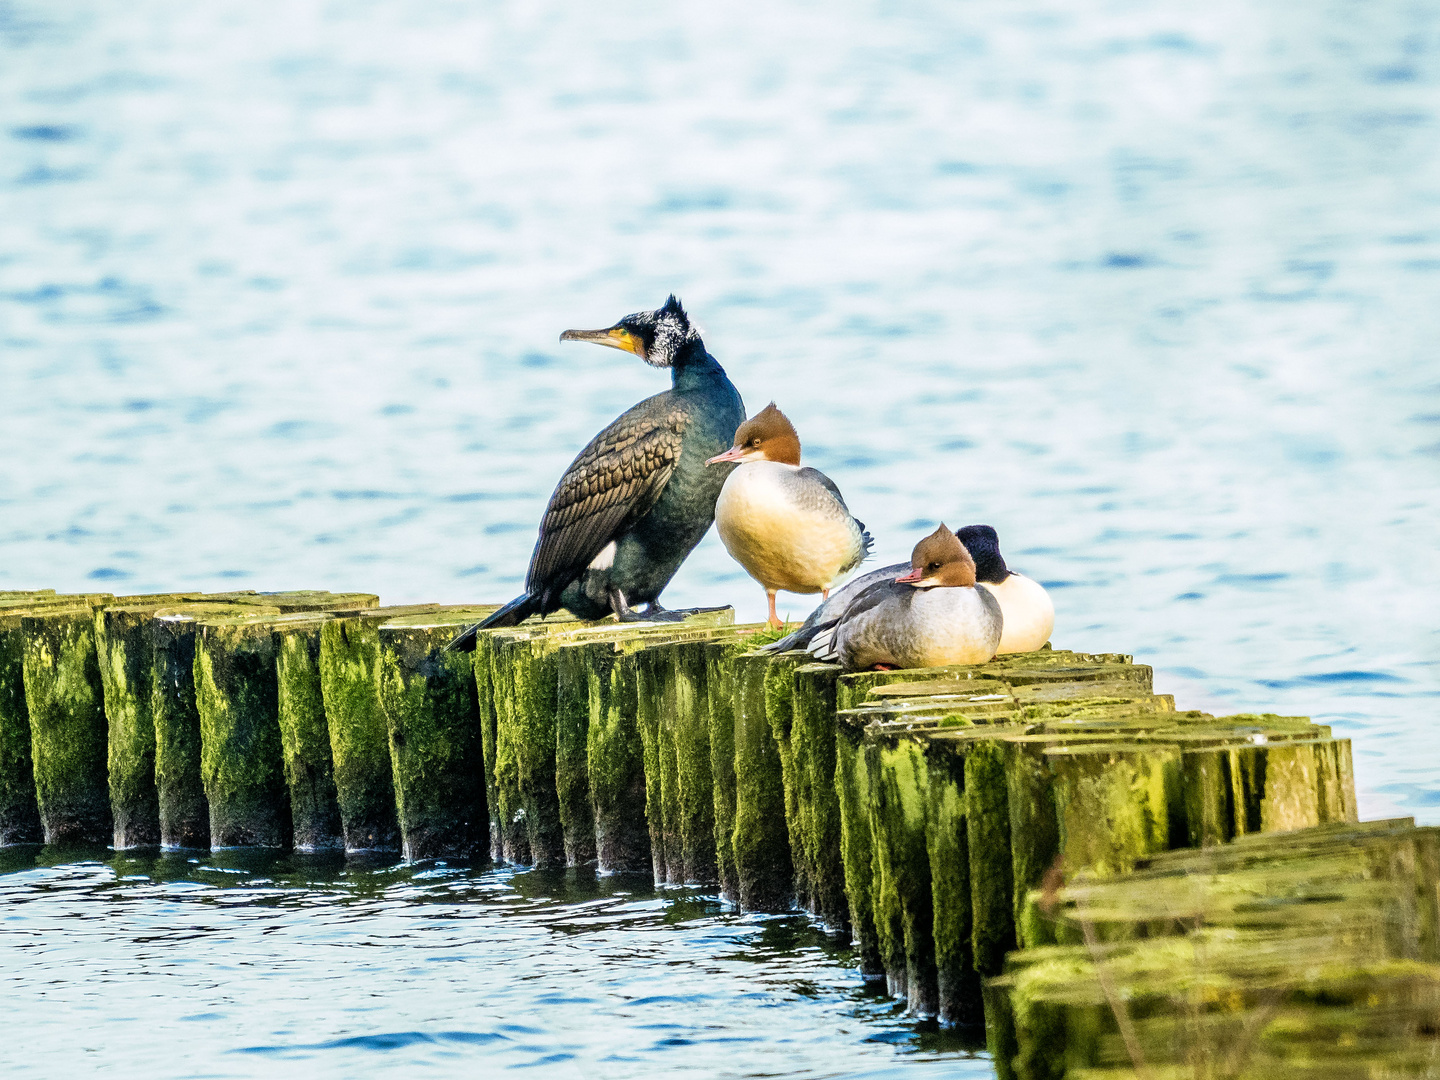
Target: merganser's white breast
(912, 627)
(786, 527)
(1029, 613)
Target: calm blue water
(1151, 287)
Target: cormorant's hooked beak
(617, 337)
(733, 454)
(914, 577)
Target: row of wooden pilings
(923, 814)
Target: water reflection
(239, 955)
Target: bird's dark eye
(754, 442)
(933, 566)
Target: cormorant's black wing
(612, 484)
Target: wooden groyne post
(928, 816)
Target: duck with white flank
(1027, 607)
(787, 526)
(932, 616)
(1028, 610)
(639, 497)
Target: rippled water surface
(232, 965)
(1151, 287)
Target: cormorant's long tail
(513, 613)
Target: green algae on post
(901, 889)
(432, 711)
(68, 738)
(241, 759)
(525, 737)
(125, 650)
(947, 847)
(572, 765)
(359, 742)
(1116, 803)
(761, 839)
(812, 736)
(614, 760)
(857, 842)
(780, 712)
(502, 767)
(183, 809)
(305, 735)
(720, 695)
(19, 813)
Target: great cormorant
(639, 497)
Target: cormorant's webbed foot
(655, 613)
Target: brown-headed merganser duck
(787, 526)
(932, 616)
(1028, 610)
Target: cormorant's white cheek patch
(605, 559)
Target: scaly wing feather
(611, 484)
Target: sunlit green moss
(761, 838)
(241, 760)
(68, 733)
(436, 751)
(305, 736)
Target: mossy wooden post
(359, 740)
(532, 739)
(987, 833)
(305, 735)
(525, 740)
(1034, 833)
(615, 760)
(780, 712)
(761, 838)
(721, 696)
(572, 767)
(432, 711)
(691, 719)
(1115, 803)
(19, 813)
(947, 848)
(125, 650)
(904, 905)
(180, 794)
(857, 842)
(184, 810)
(647, 722)
(812, 737)
(65, 700)
(502, 766)
(241, 760)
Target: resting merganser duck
(788, 527)
(1028, 610)
(933, 616)
(639, 497)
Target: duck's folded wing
(825, 645)
(612, 483)
(824, 481)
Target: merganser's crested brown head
(766, 436)
(939, 560)
(662, 338)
